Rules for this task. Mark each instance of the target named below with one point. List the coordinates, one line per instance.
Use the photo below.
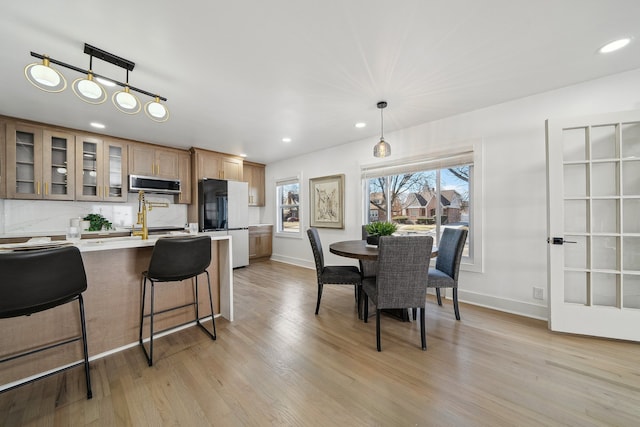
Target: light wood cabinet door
(253, 174)
(184, 169)
(3, 159)
(24, 160)
(101, 173)
(40, 163)
(231, 169)
(58, 165)
(151, 161)
(260, 241)
(167, 163)
(89, 168)
(142, 160)
(208, 166)
(115, 171)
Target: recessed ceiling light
(360, 125)
(286, 139)
(614, 45)
(97, 125)
(243, 155)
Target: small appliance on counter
(223, 206)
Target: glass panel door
(89, 168)
(58, 166)
(115, 179)
(594, 232)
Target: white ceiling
(241, 75)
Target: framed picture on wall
(326, 195)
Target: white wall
(514, 196)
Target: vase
(373, 239)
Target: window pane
(377, 199)
(288, 208)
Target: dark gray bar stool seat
(175, 259)
(38, 280)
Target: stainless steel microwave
(152, 184)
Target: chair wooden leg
(438, 295)
(319, 297)
(378, 311)
(84, 347)
(423, 335)
(455, 303)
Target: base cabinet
(260, 238)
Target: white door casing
(593, 225)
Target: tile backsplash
(27, 217)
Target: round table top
(359, 249)
(354, 249)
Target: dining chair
(37, 280)
(332, 274)
(445, 275)
(175, 259)
(401, 281)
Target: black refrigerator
(223, 206)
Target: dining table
(362, 251)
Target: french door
(593, 224)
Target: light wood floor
(279, 364)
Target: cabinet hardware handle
(46, 188)
(99, 191)
(106, 191)
(38, 188)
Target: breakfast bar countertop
(101, 244)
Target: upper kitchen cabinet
(3, 159)
(101, 169)
(40, 163)
(209, 164)
(148, 160)
(253, 174)
(184, 168)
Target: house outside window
(288, 206)
(425, 197)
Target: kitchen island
(112, 306)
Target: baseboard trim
(520, 308)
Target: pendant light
(87, 89)
(91, 86)
(45, 78)
(382, 148)
(125, 101)
(156, 111)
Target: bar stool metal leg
(84, 347)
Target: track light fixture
(48, 79)
(382, 148)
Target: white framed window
(288, 207)
(427, 195)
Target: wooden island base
(112, 308)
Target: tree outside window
(423, 202)
(289, 207)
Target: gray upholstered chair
(332, 274)
(39, 280)
(401, 282)
(445, 275)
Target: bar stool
(175, 259)
(39, 280)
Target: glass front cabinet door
(100, 173)
(40, 163)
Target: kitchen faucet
(143, 207)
